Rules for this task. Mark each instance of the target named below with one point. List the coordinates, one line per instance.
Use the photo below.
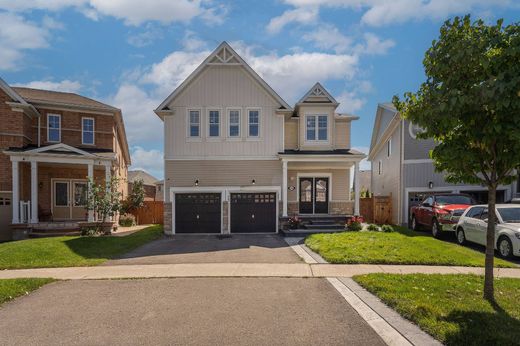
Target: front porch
(49, 186)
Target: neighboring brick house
(238, 158)
(50, 142)
(159, 190)
(149, 182)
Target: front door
(69, 199)
(314, 195)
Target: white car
(472, 226)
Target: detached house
(238, 158)
(50, 143)
(402, 168)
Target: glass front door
(69, 199)
(314, 195)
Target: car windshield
(510, 215)
(453, 199)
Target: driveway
(211, 249)
(216, 311)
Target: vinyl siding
(317, 110)
(223, 87)
(386, 117)
(340, 182)
(389, 181)
(342, 134)
(291, 134)
(416, 149)
(222, 173)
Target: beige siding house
(238, 158)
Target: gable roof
(17, 98)
(139, 174)
(39, 96)
(377, 125)
(222, 55)
(318, 94)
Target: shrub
(387, 228)
(354, 226)
(89, 231)
(127, 220)
(373, 228)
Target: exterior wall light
(253, 182)
(197, 182)
(430, 185)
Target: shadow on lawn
(483, 328)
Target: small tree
(470, 105)
(104, 199)
(135, 198)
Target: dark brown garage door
(253, 212)
(197, 213)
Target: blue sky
(132, 54)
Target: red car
(439, 212)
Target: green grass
(451, 307)
(12, 288)
(71, 251)
(401, 247)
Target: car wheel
(436, 229)
(461, 237)
(414, 225)
(505, 248)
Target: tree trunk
(490, 245)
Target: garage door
(197, 213)
(5, 216)
(253, 212)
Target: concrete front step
(305, 232)
(324, 226)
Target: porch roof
(61, 152)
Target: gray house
(401, 166)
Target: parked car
(472, 226)
(439, 213)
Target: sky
(133, 53)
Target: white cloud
(137, 107)
(379, 13)
(329, 37)
(303, 15)
(151, 161)
(191, 42)
(146, 37)
(373, 45)
(132, 12)
(16, 36)
(64, 85)
(350, 102)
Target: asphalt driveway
(203, 311)
(211, 249)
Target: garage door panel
(5, 216)
(253, 212)
(197, 213)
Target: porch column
(16, 192)
(90, 176)
(356, 188)
(34, 192)
(107, 183)
(284, 188)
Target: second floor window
(194, 128)
(254, 123)
(316, 127)
(87, 129)
(53, 128)
(234, 123)
(214, 123)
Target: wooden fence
(376, 209)
(151, 212)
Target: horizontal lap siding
(222, 173)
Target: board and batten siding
(340, 182)
(180, 173)
(222, 88)
(389, 181)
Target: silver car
(472, 226)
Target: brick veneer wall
(168, 218)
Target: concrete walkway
(301, 270)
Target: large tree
(470, 105)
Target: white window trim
(389, 148)
(228, 123)
(59, 129)
(189, 137)
(254, 138)
(220, 123)
(83, 130)
(317, 141)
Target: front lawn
(451, 307)
(12, 288)
(71, 251)
(401, 247)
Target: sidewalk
(242, 270)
